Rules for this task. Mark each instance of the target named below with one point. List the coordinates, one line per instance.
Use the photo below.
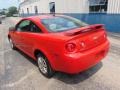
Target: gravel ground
(19, 72)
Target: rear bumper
(77, 62)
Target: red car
(60, 43)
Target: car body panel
(52, 45)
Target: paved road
(19, 72)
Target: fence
(111, 21)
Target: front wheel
(11, 44)
(44, 66)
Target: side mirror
(12, 29)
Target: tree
(12, 10)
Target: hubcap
(42, 65)
(11, 44)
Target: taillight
(70, 47)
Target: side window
(23, 26)
(35, 28)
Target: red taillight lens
(70, 47)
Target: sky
(7, 3)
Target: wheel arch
(38, 51)
(8, 36)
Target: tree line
(9, 12)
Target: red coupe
(60, 43)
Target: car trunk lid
(88, 37)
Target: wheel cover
(42, 65)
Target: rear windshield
(59, 23)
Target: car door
(22, 27)
(28, 38)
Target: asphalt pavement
(19, 72)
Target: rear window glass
(58, 24)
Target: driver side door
(22, 27)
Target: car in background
(60, 43)
(0, 20)
(15, 15)
(2, 17)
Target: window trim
(19, 24)
(30, 23)
(40, 31)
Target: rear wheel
(11, 44)
(44, 66)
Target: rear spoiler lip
(95, 25)
(84, 29)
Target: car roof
(39, 17)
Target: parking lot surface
(19, 72)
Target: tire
(11, 44)
(44, 66)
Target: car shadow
(77, 78)
(27, 57)
(68, 78)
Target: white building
(69, 6)
(114, 6)
(91, 11)
(60, 6)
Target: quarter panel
(51, 46)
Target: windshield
(59, 23)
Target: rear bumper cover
(77, 62)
